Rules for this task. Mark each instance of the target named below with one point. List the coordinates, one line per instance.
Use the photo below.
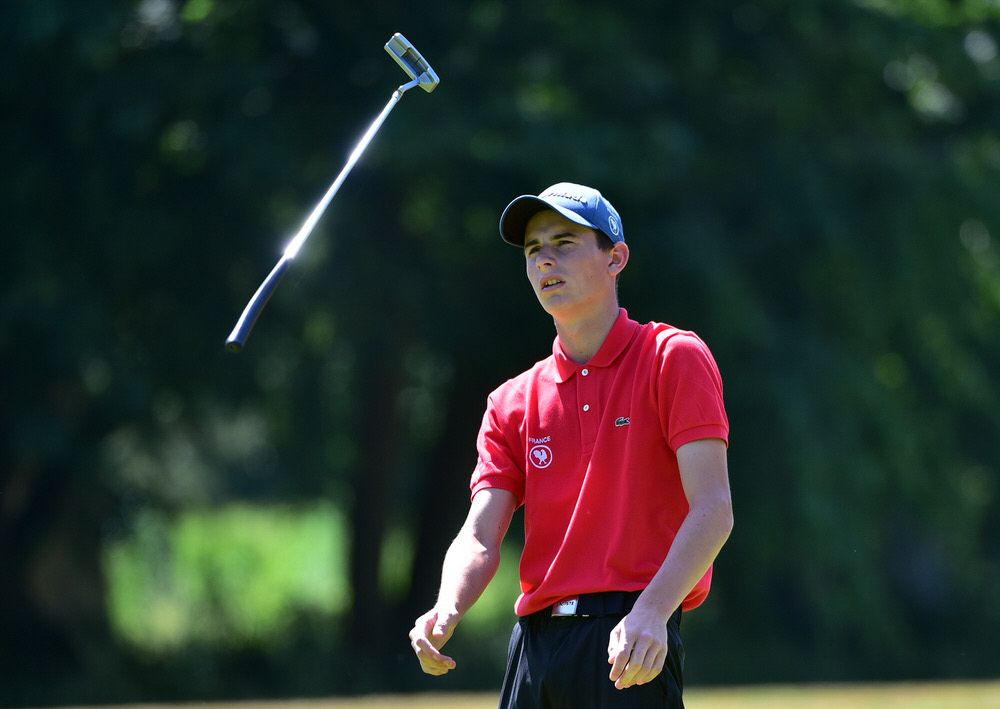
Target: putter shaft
(427, 79)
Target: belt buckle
(565, 607)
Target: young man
(616, 447)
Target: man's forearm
(474, 556)
(699, 540)
(468, 568)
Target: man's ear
(619, 259)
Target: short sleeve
(497, 465)
(689, 389)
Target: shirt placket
(589, 405)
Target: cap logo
(613, 225)
(567, 195)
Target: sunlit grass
(945, 695)
(975, 695)
(233, 576)
(240, 575)
(985, 695)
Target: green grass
(239, 576)
(944, 695)
(985, 695)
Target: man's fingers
(635, 664)
(642, 667)
(432, 662)
(428, 636)
(637, 649)
(619, 663)
(619, 652)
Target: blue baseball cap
(578, 203)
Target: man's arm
(469, 566)
(638, 645)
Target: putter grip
(238, 337)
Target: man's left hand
(637, 648)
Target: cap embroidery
(567, 195)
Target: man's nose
(545, 257)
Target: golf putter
(421, 75)
(411, 61)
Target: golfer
(616, 446)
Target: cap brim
(515, 218)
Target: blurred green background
(810, 185)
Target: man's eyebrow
(560, 235)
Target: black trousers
(562, 662)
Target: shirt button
(586, 407)
(585, 372)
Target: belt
(591, 605)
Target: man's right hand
(469, 566)
(429, 634)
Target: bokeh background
(810, 185)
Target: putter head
(413, 64)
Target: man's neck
(582, 339)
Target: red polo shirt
(590, 452)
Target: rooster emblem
(541, 456)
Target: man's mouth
(550, 282)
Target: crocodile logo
(622, 421)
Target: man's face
(571, 276)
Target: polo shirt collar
(614, 344)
